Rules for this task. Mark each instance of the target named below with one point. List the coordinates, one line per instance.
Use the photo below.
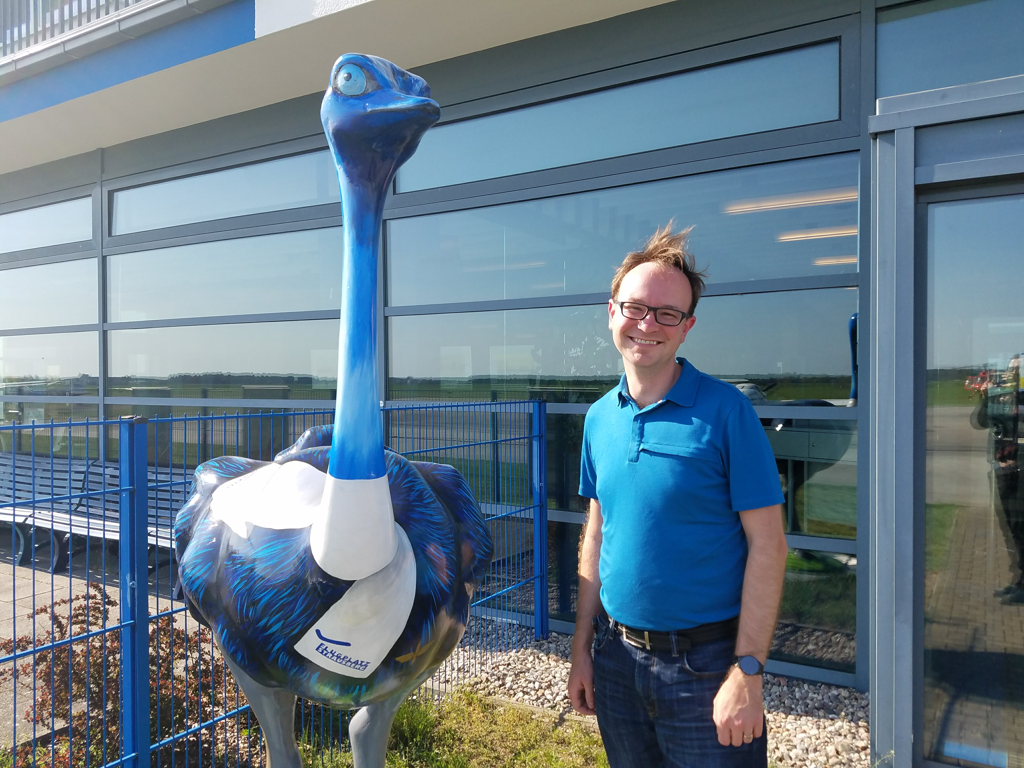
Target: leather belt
(678, 640)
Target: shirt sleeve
(588, 474)
(753, 474)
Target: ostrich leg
(369, 728)
(275, 711)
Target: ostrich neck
(357, 448)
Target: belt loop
(672, 639)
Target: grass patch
(938, 532)
(467, 731)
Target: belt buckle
(636, 642)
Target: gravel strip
(811, 725)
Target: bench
(79, 499)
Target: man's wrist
(749, 665)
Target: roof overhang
(297, 41)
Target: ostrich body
(339, 572)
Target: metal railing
(101, 663)
(27, 23)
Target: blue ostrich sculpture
(339, 572)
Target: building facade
(854, 173)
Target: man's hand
(739, 708)
(581, 680)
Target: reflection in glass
(69, 288)
(565, 438)
(67, 222)
(49, 364)
(49, 439)
(563, 570)
(259, 433)
(818, 616)
(764, 93)
(763, 343)
(253, 361)
(789, 346)
(817, 463)
(974, 496)
(914, 42)
(291, 272)
(290, 182)
(781, 220)
(563, 355)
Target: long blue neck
(357, 449)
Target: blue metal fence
(100, 662)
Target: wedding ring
(748, 737)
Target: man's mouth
(644, 342)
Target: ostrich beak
(408, 104)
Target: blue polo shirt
(671, 480)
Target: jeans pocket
(602, 631)
(709, 660)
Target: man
(683, 554)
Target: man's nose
(647, 322)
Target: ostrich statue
(340, 571)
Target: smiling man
(683, 553)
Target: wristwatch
(749, 665)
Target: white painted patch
(357, 632)
(276, 496)
(354, 535)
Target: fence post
(539, 475)
(133, 561)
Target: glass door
(974, 494)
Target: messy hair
(667, 248)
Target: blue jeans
(655, 709)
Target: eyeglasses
(662, 315)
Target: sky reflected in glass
(67, 222)
(69, 288)
(292, 360)
(291, 182)
(49, 364)
(781, 220)
(779, 90)
(292, 272)
(935, 44)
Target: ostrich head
(374, 115)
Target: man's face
(646, 344)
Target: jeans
(655, 709)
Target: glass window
(974, 494)
(764, 93)
(67, 222)
(50, 440)
(970, 140)
(781, 220)
(49, 294)
(563, 570)
(289, 272)
(49, 364)
(948, 42)
(255, 361)
(762, 342)
(291, 182)
(792, 346)
(563, 355)
(818, 616)
(817, 463)
(565, 441)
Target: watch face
(749, 665)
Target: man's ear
(687, 325)
(611, 312)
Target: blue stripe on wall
(207, 33)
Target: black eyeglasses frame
(656, 310)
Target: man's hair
(667, 248)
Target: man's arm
(739, 704)
(588, 604)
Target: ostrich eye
(350, 80)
